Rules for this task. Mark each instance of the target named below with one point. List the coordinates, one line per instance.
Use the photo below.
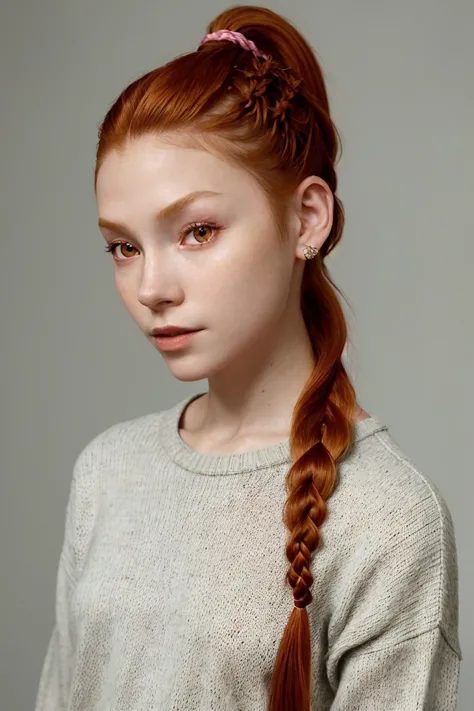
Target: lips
(174, 343)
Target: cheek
(248, 293)
(127, 291)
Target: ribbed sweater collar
(272, 455)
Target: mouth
(174, 341)
(173, 331)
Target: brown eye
(202, 232)
(125, 248)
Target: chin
(185, 372)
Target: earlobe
(307, 245)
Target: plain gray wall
(400, 79)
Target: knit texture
(171, 591)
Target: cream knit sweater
(171, 592)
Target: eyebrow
(166, 212)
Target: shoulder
(399, 496)
(120, 436)
(396, 540)
(108, 451)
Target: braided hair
(269, 115)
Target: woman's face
(230, 277)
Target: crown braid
(275, 98)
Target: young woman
(264, 545)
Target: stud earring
(310, 252)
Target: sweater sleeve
(418, 673)
(55, 679)
(393, 636)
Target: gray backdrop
(400, 78)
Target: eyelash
(111, 247)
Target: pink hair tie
(237, 38)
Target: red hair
(271, 117)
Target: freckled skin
(242, 287)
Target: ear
(314, 205)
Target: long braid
(321, 433)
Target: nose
(158, 283)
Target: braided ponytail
(270, 115)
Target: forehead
(167, 168)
